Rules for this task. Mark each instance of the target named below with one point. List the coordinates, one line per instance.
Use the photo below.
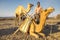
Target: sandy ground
(7, 28)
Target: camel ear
(45, 10)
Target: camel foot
(42, 35)
(35, 35)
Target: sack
(36, 17)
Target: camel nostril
(23, 17)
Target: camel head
(30, 5)
(50, 9)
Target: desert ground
(7, 28)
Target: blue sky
(7, 7)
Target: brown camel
(35, 28)
(20, 12)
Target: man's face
(38, 4)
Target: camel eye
(49, 12)
(16, 15)
(45, 9)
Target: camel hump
(20, 6)
(19, 9)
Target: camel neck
(28, 9)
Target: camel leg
(31, 31)
(39, 28)
(16, 20)
(42, 34)
(16, 31)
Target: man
(38, 10)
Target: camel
(35, 28)
(21, 11)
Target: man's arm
(41, 9)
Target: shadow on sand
(7, 31)
(46, 30)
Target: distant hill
(48, 18)
(58, 16)
(7, 18)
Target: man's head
(38, 3)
